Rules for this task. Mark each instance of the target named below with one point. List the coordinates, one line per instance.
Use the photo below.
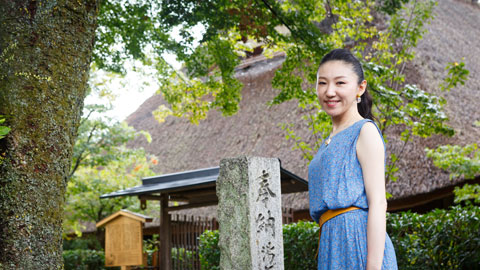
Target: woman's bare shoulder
(369, 138)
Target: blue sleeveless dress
(335, 180)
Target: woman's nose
(330, 90)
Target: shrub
(87, 242)
(440, 239)
(300, 243)
(84, 259)
(209, 252)
(182, 258)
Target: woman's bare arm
(371, 154)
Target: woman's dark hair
(365, 106)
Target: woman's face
(337, 88)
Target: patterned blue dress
(335, 181)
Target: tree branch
(80, 156)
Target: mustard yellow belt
(329, 214)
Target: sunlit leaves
(391, 6)
(426, 112)
(98, 141)
(459, 161)
(4, 130)
(125, 28)
(456, 73)
(213, 87)
(90, 182)
(102, 164)
(467, 192)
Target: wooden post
(165, 235)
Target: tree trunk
(45, 55)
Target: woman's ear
(362, 87)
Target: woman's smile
(332, 103)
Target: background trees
(102, 163)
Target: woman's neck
(343, 121)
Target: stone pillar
(250, 214)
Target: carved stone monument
(249, 214)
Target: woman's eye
(322, 83)
(340, 82)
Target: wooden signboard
(124, 238)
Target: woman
(347, 175)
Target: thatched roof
(255, 130)
(452, 35)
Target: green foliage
(102, 164)
(467, 193)
(86, 242)
(391, 6)
(82, 259)
(457, 73)
(300, 243)
(208, 250)
(440, 240)
(88, 183)
(99, 140)
(304, 31)
(125, 28)
(181, 257)
(4, 130)
(461, 162)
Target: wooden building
(193, 189)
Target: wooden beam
(165, 235)
(423, 199)
(150, 197)
(176, 198)
(195, 193)
(192, 205)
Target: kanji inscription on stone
(250, 214)
(264, 192)
(265, 223)
(268, 256)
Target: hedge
(87, 259)
(84, 259)
(441, 239)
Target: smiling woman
(347, 175)
(341, 69)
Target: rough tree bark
(45, 54)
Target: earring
(359, 99)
